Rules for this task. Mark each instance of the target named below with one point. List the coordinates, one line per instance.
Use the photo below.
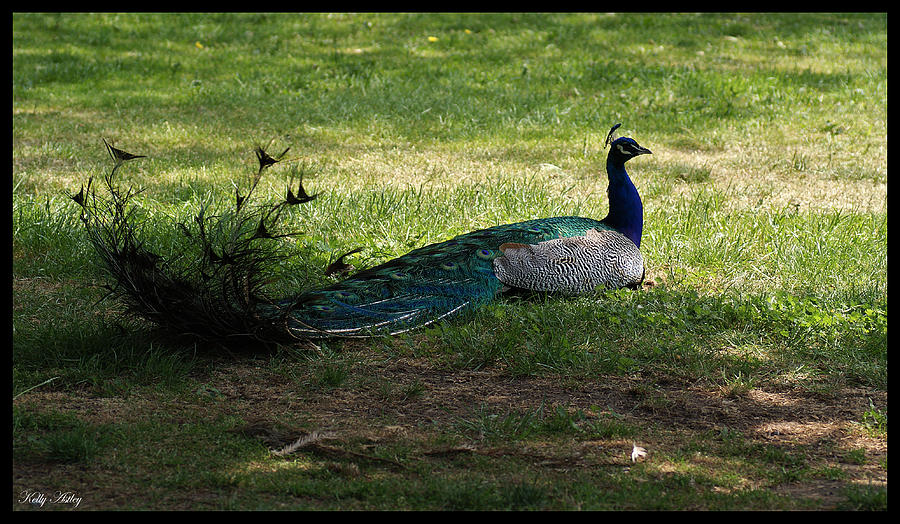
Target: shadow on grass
(732, 341)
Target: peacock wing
(572, 265)
(421, 287)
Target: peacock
(222, 297)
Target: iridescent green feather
(423, 286)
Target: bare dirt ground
(824, 427)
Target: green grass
(765, 236)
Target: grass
(753, 369)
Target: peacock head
(623, 149)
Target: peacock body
(566, 254)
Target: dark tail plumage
(219, 294)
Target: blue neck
(626, 213)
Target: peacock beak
(643, 151)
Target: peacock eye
(622, 150)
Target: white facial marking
(622, 150)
